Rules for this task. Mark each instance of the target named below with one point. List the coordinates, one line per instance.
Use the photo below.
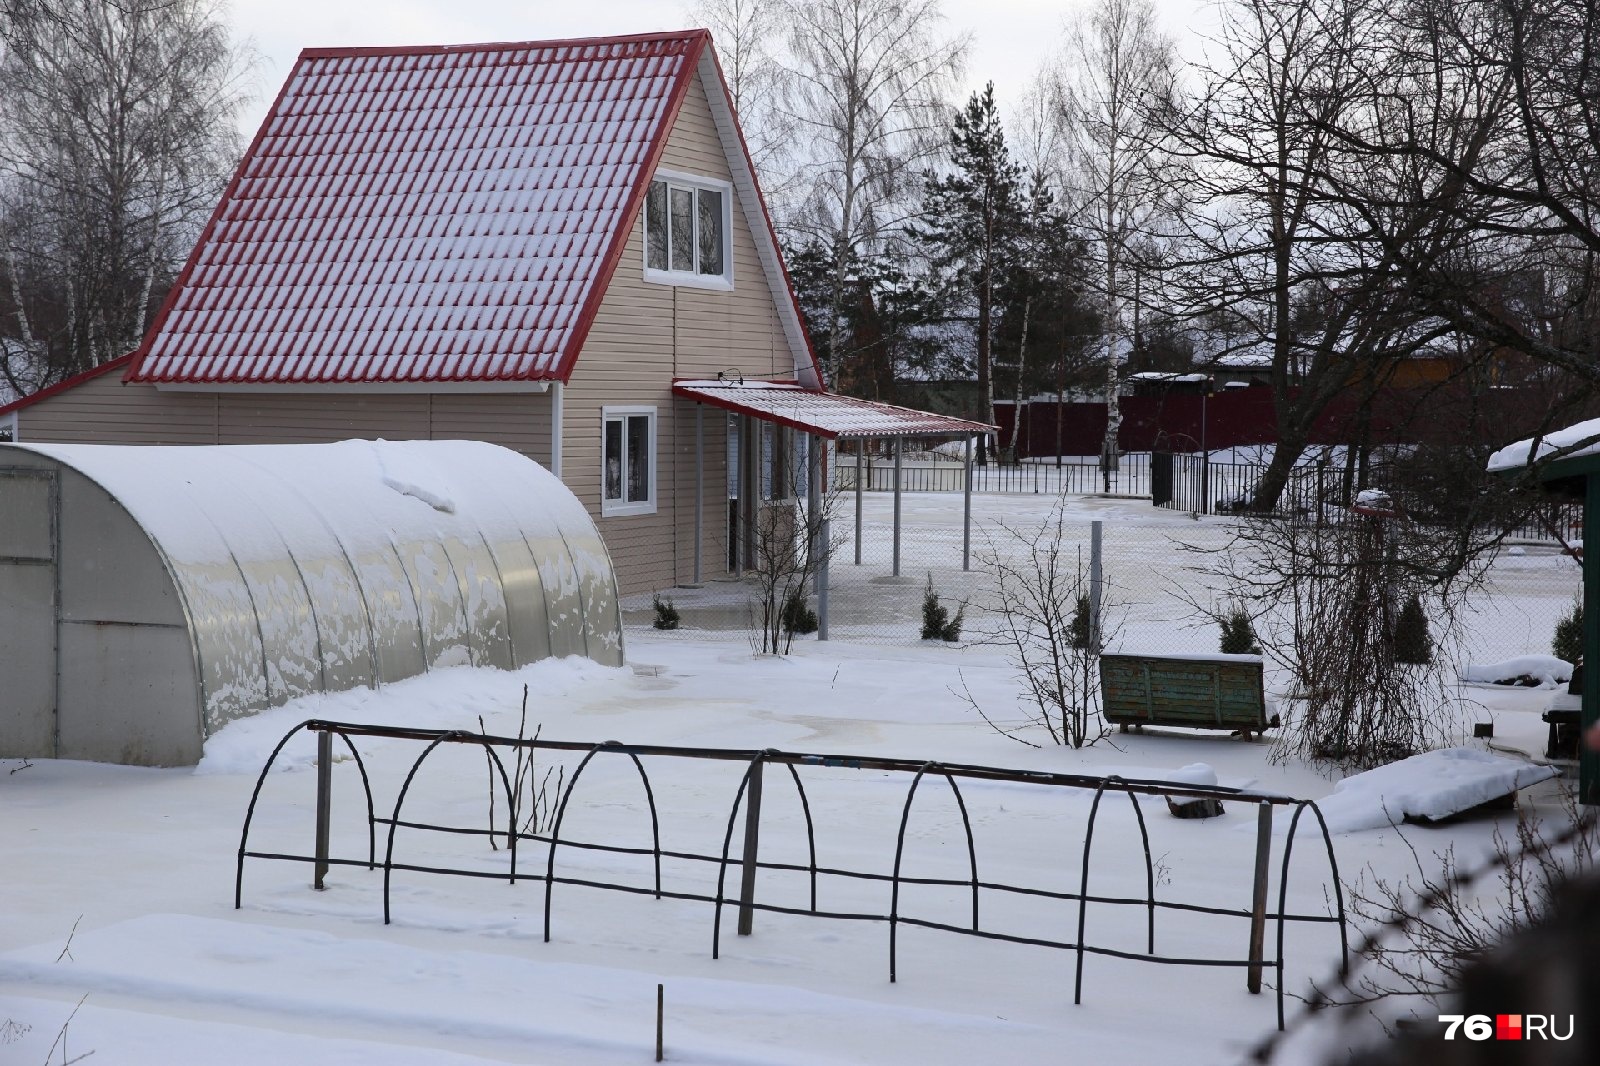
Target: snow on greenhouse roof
(824, 414)
(425, 214)
(1568, 443)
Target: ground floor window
(628, 461)
(8, 428)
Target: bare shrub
(532, 806)
(1042, 621)
(1461, 923)
(788, 545)
(1328, 594)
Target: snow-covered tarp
(1426, 787)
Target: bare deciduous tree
(864, 89)
(1117, 72)
(746, 34)
(117, 132)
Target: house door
(27, 613)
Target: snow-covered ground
(118, 885)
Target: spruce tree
(972, 220)
(1568, 642)
(1413, 643)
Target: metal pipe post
(1258, 899)
(1096, 579)
(822, 585)
(899, 446)
(324, 805)
(966, 511)
(816, 549)
(752, 842)
(861, 448)
(699, 489)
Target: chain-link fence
(1162, 591)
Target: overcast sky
(1010, 38)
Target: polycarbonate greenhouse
(149, 595)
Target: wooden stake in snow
(661, 1001)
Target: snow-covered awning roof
(1572, 442)
(823, 414)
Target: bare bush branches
(1462, 924)
(1326, 594)
(1041, 620)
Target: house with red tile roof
(526, 244)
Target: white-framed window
(627, 460)
(8, 428)
(686, 231)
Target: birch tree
(117, 132)
(1117, 69)
(747, 36)
(864, 89)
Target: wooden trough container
(1185, 691)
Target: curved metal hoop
(727, 845)
(261, 780)
(400, 800)
(1283, 895)
(561, 816)
(1083, 881)
(899, 855)
(811, 835)
(366, 786)
(250, 811)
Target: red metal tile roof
(425, 214)
(824, 414)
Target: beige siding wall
(644, 336)
(105, 411)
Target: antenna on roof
(724, 375)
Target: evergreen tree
(1412, 642)
(883, 335)
(1238, 635)
(972, 221)
(1568, 642)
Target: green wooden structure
(1188, 691)
(1576, 477)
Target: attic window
(686, 232)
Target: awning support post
(815, 549)
(699, 490)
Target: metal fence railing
(1131, 478)
(839, 893)
(1192, 482)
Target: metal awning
(824, 414)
